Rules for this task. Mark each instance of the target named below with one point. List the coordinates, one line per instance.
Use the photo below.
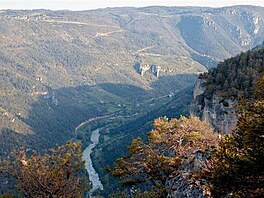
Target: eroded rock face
(219, 112)
(142, 68)
(199, 88)
(182, 186)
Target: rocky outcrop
(155, 70)
(142, 68)
(182, 186)
(219, 112)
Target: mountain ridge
(60, 68)
(44, 52)
(217, 93)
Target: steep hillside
(116, 138)
(59, 68)
(217, 92)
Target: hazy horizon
(89, 5)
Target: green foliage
(237, 168)
(7, 195)
(235, 77)
(57, 70)
(136, 193)
(59, 52)
(49, 68)
(259, 93)
(57, 173)
(117, 134)
(170, 148)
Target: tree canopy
(235, 77)
(170, 149)
(237, 168)
(57, 173)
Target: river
(93, 175)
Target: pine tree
(57, 173)
(238, 168)
(169, 150)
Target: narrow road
(107, 33)
(143, 49)
(77, 23)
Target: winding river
(93, 175)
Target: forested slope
(60, 68)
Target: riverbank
(93, 175)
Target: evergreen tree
(238, 166)
(57, 173)
(169, 150)
(235, 77)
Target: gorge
(127, 66)
(93, 176)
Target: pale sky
(94, 4)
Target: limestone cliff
(143, 68)
(219, 112)
(184, 186)
(215, 98)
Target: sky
(94, 4)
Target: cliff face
(214, 99)
(183, 186)
(217, 111)
(220, 114)
(141, 69)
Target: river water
(93, 175)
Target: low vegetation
(234, 163)
(56, 173)
(231, 166)
(169, 151)
(236, 77)
(237, 168)
(59, 69)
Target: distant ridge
(59, 68)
